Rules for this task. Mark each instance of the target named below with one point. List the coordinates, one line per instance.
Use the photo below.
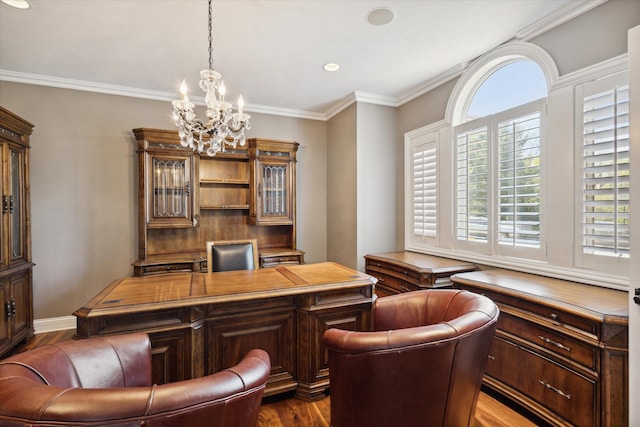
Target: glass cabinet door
(16, 205)
(274, 192)
(170, 191)
(13, 230)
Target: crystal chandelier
(222, 127)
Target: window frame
(560, 161)
(428, 135)
(492, 245)
(603, 263)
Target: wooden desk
(200, 323)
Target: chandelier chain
(222, 127)
(210, 37)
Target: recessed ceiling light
(381, 16)
(331, 67)
(19, 4)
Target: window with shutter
(499, 184)
(424, 189)
(472, 182)
(518, 189)
(421, 150)
(605, 171)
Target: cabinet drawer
(550, 314)
(563, 391)
(394, 284)
(503, 363)
(559, 344)
(167, 268)
(280, 260)
(399, 272)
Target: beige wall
(377, 196)
(341, 188)
(593, 37)
(83, 186)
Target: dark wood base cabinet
(406, 271)
(561, 348)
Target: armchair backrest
(107, 381)
(421, 366)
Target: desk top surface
(186, 289)
(545, 290)
(422, 262)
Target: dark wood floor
(287, 411)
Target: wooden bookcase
(16, 275)
(186, 199)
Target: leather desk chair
(421, 366)
(107, 381)
(225, 255)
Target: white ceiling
(271, 51)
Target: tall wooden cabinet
(186, 200)
(16, 278)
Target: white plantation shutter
(424, 189)
(518, 192)
(605, 171)
(472, 183)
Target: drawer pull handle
(557, 344)
(552, 388)
(554, 316)
(381, 279)
(491, 357)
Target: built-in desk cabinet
(405, 271)
(16, 278)
(561, 348)
(187, 199)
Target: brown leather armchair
(421, 366)
(107, 381)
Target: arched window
(498, 109)
(512, 84)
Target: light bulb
(183, 90)
(240, 105)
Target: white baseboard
(54, 324)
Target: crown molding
(429, 85)
(82, 85)
(562, 15)
(566, 13)
(288, 112)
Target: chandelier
(223, 127)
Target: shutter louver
(605, 179)
(519, 181)
(472, 185)
(424, 190)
